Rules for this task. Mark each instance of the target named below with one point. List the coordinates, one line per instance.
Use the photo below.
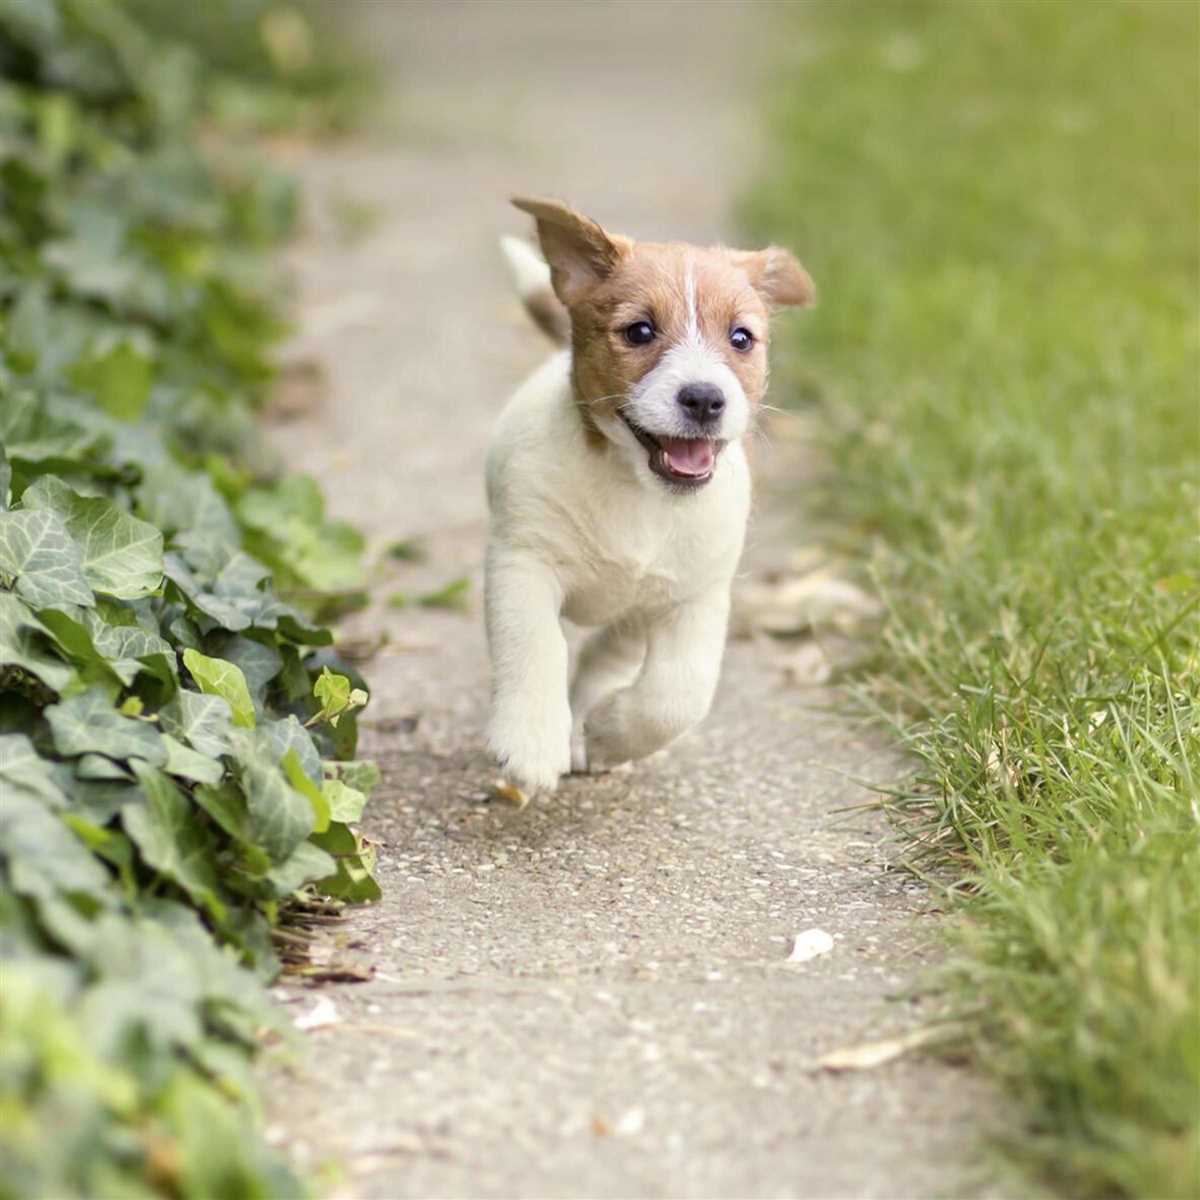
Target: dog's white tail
(532, 277)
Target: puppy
(619, 490)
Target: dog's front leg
(674, 689)
(530, 727)
(609, 660)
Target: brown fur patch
(549, 316)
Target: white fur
(593, 535)
(529, 271)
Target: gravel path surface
(589, 997)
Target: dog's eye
(741, 339)
(639, 333)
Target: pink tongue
(688, 456)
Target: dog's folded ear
(778, 277)
(579, 252)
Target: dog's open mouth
(683, 462)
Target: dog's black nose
(703, 402)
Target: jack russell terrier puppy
(619, 490)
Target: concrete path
(587, 998)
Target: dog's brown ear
(579, 252)
(778, 276)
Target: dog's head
(669, 340)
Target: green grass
(999, 203)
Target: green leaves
(279, 817)
(165, 830)
(22, 769)
(44, 858)
(203, 722)
(89, 722)
(354, 879)
(41, 558)
(289, 529)
(455, 595)
(216, 677)
(343, 803)
(23, 645)
(121, 556)
(336, 697)
(119, 376)
(309, 790)
(150, 833)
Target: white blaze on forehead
(689, 292)
(653, 401)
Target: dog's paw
(530, 757)
(624, 728)
(593, 756)
(601, 741)
(588, 753)
(600, 754)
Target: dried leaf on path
(868, 1055)
(323, 1013)
(810, 944)
(787, 604)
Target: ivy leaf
(122, 556)
(187, 763)
(178, 501)
(39, 554)
(223, 612)
(41, 854)
(217, 677)
(355, 859)
(335, 696)
(170, 839)
(119, 376)
(280, 817)
(345, 803)
(23, 770)
(22, 642)
(453, 595)
(289, 734)
(306, 865)
(290, 530)
(121, 642)
(99, 800)
(290, 763)
(76, 643)
(92, 766)
(226, 805)
(204, 722)
(89, 722)
(362, 775)
(259, 663)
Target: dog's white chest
(617, 543)
(643, 556)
